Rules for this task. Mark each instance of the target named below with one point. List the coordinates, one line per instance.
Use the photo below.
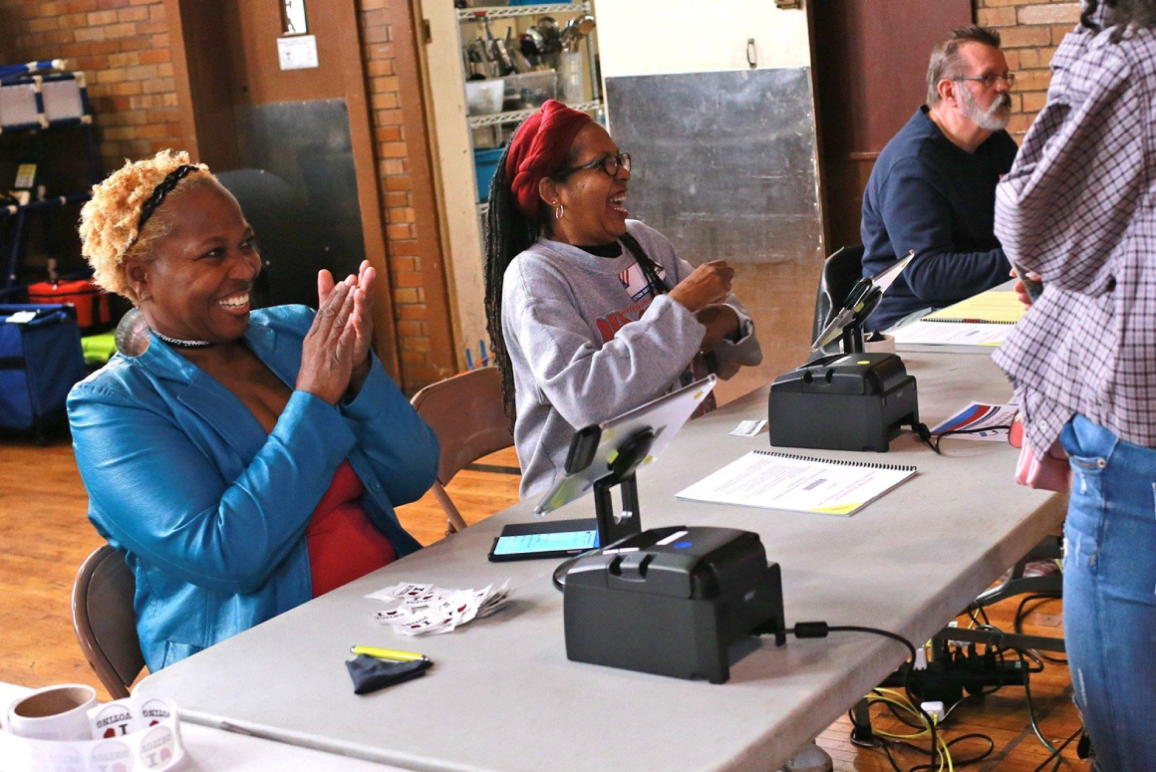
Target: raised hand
(327, 352)
(1022, 291)
(324, 286)
(721, 322)
(363, 326)
(707, 284)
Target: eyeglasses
(609, 163)
(989, 81)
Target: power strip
(945, 680)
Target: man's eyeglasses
(989, 81)
(609, 163)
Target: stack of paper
(979, 421)
(983, 320)
(782, 481)
(991, 307)
(427, 609)
(927, 333)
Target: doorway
(302, 122)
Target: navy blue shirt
(928, 194)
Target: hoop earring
(559, 211)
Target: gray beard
(995, 118)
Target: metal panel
(725, 167)
(308, 146)
(724, 161)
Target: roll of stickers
(128, 735)
(879, 343)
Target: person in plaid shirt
(1077, 208)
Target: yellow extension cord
(900, 701)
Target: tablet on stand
(607, 455)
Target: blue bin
(40, 361)
(485, 164)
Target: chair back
(466, 414)
(841, 271)
(104, 620)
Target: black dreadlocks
(508, 234)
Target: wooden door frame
(369, 196)
(368, 187)
(408, 35)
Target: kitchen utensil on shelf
(531, 45)
(498, 50)
(551, 35)
(575, 31)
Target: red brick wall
(401, 232)
(1031, 30)
(123, 48)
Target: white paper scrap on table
(750, 428)
(426, 609)
(977, 419)
(298, 52)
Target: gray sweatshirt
(588, 342)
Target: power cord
(924, 435)
(1017, 625)
(1057, 751)
(933, 441)
(883, 740)
(559, 575)
(913, 700)
(1025, 655)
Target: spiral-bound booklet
(774, 480)
(991, 307)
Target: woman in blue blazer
(244, 461)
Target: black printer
(854, 401)
(671, 601)
(850, 400)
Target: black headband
(166, 186)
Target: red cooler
(92, 307)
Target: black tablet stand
(631, 454)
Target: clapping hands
(335, 354)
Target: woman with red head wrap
(591, 314)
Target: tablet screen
(546, 542)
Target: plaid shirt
(1078, 208)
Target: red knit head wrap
(539, 149)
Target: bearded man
(933, 187)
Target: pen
(397, 656)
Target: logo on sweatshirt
(634, 281)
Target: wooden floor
(44, 536)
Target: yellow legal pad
(991, 307)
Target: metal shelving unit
(509, 12)
(517, 116)
(59, 100)
(510, 117)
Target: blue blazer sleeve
(402, 448)
(918, 217)
(156, 494)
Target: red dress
(343, 544)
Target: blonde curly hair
(109, 221)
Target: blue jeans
(1110, 594)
